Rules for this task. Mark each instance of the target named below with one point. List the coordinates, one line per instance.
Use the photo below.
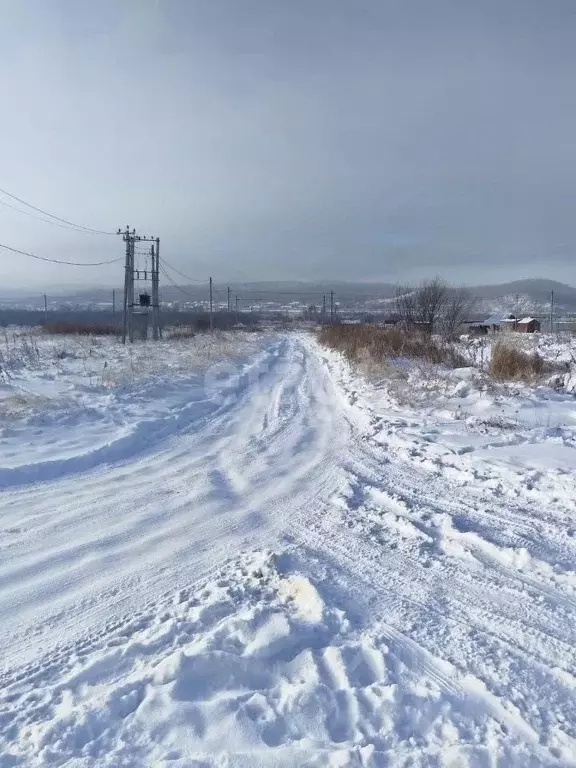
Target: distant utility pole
(113, 303)
(237, 311)
(45, 310)
(131, 275)
(324, 306)
(229, 297)
(331, 306)
(552, 312)
(155, 254)
(211, 309)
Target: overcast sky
(301, 139)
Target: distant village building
(478, 328)
(528, 325)
(502, 323)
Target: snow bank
(516, 437)
(291, 567)
(82, 402)
(250, 669)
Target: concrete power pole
(130, 276)
(155, 251)
(211, 309)
(229, 292)
(331, 306)
(552, 312)
(128, 282)
(237, 311)
(113, 304)
(45, 309)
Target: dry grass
(359, 342)
(511, 364)
(82, 329)
(181, 333)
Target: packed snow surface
(246, 554)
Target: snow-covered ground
(253, 556)
(556, 348)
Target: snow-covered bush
(19, 351)
(511, 364)
(385, 343)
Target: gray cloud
(259, 139)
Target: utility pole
(211, 309)
(552, 312)
(113, 304)
(131, 291)
(131, 238)
(229, 292)
(155, 252)
(237, 311)
(331, 306)
(128, 276)
(45, 310)
(324, 306)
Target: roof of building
(499, 319)
(526, 320)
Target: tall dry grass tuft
(181, 333)
(360, 341)
(511, 364)
(82, 329)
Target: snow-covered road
(248, 574)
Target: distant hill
(520, 296)
(530, 296)
(538, 289)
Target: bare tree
(406, 305)
(424, 306)
(457, 308)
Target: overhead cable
(41, 218)
(186, 277)
(175, 285)
(58, 261)
(57, 218)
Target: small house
(501, 323)
(528, 325)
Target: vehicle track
(287, 459)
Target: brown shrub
(82, 329)
(356, 341)
(511, 364)
(181, 333)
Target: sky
(387, 140)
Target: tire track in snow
(172, 515)
(457, 608)
(293, 464)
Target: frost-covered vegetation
(59, 370)
(305, 567)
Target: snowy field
(242, 552)
(556, 348)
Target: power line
(175, 285)
(41, 218)
(186, 277)
(58, 261)
(52, 216)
